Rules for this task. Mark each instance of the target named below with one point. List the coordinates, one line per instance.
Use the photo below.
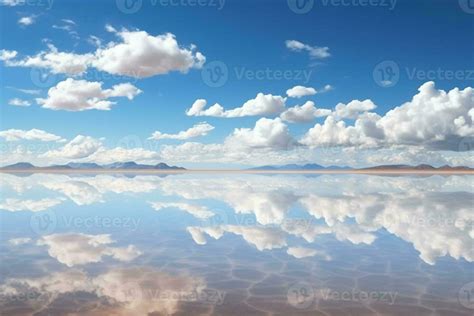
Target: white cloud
(12, 3)
(27, 20)
(11, 135)
(68, 21)
(78, 249)
(313, 51)
(142, 55)
(69, 27)
(80, 147)
(16, 205)
(19, 102)
(263, 238)
(263, 104)
(138, 55)
(432, 116)
(303, 252)
(55, 61)
(300, 91)
(198, 211)
(197, 109)
(80, 95)
(19, 241)
(353, 109)
(6, 55)
(200, 129)
(332, 133)
(26, 91)
(433, 119)
(304, 113)
(267, 133)
(126, 291)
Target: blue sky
(426, 40)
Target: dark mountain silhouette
(310, 166)
(92, 166)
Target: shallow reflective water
(236, 245)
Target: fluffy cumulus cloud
(16, 205)
(80, 147)
(304, 113)
(267, 133)
(263, 238)
(198, 211)
(77, 249)
(141, 55)
(314, 52)
(133, 290)
(19, 102)
(80, 95)
(433, 116)
(55, 61)
(262, 104)
(300, 91)
(11, 135)
(353, 109)
(137, 54)
(27, 20)
(433, 119)
(6, 55)
(88, 149)
(200, 129)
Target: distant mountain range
(131, 165)
(309, 166)
(382, 167)
(418, 167)
(92, 166)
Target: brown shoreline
(237, 171)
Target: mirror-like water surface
(236, 245)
